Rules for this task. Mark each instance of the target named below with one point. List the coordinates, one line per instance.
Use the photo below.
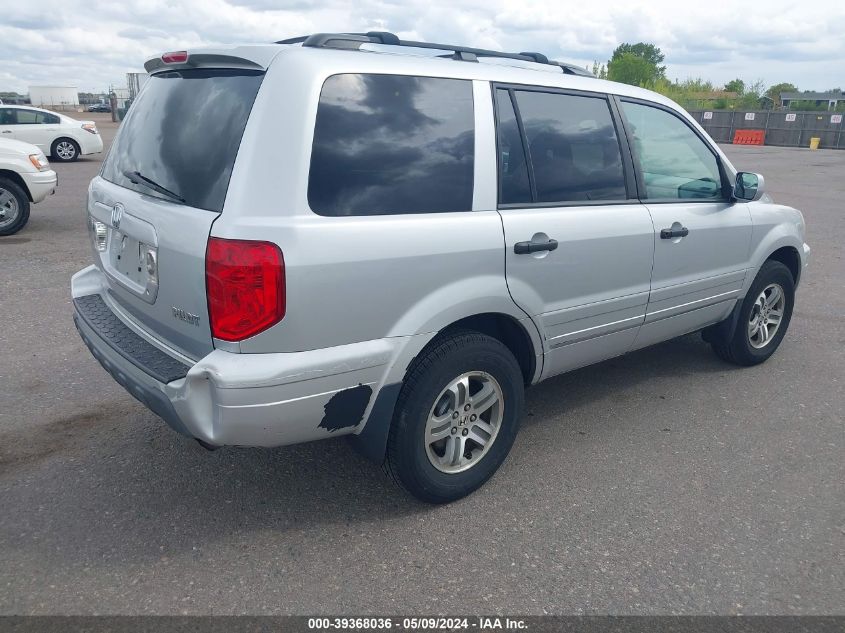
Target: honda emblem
(116, 215)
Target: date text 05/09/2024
(481, 623)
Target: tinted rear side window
(389, 144)
(513, 168)
(183, 133)
(573, 147)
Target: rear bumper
(137, 382)
(90, 144)
(242, 399)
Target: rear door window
(573, 147)
(182, 133)
(30, 117)
(514, 183)
(392, 144)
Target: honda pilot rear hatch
(162, 186)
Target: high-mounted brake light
(176, 57)
(245, 286)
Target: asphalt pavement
(665, 481)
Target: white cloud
(93, 45)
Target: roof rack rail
(354, 41)
(572, 69)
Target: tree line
(642, 64)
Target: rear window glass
(182, 134)
(391, 144)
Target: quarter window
(674, 161)
(573, 147)
(28, 117)
(392, 144)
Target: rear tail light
(89, 127)
(100, 234)
(245, 285)
(176, 57)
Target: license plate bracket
(134, 264)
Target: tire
(14, 207)
(64, 150)
(746, 345)
(413, 460)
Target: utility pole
(113, 103)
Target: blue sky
(93, 44)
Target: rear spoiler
(203, 60)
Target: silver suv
(350, 234)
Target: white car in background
(62, 138)
(25, 177)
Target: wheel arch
(508, 331)
(17, 179)
(789, 257)
(782, 243)
(514, 334)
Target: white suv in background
(25, 177)
(63, 138)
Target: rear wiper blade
(136, 177)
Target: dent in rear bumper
(259, 399)
(262, 399)
(286, 398)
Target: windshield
(182, 135)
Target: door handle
(523, 248)
(7, 131)
(668, 234)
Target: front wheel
(763, 318)
(65, 150)
(14, 207)
(456, 418)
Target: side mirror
(749, 186)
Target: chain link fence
(783, 128)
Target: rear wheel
(456, 417)
(14, 207)
(763, 318)
(65, 150)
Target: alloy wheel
(65, 150)
(8, 208)
(766, 316)
(464, 422)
